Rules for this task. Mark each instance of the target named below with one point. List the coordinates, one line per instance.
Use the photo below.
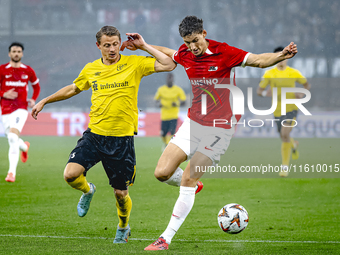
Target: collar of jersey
(109, 66)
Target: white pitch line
(182, 240)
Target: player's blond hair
(108, 31)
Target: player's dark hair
(108, 31)
(190, 25)
(278, 49)
(16, 44)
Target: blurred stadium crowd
(254, 25)
(59, 35)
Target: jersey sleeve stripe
(245, 59)
(36, 82)
(173, 57)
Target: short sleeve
(235, 56)
(81, 81)
(158, 94)
(265, 80)
(176, 58)
(147, 65)
(299, 77)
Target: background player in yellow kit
(284, 76)
(169, 97)
(114, 80)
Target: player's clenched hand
(129, 45)
(10, 94)
(290, 50)
(36, 109)
(136, 40)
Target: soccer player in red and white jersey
(14, 78)
(210, 65)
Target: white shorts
(210, 141)
(16, 119)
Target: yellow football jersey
(167, 96)
(278, 79)
(115, 87)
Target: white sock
(13, 153)
(181, 210)
(22, 145)
(175, 179)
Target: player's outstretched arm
(269, 59)
(167, 51)
(62, 94)
(129, 45)
(163, 62)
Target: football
(233, 218)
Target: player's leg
(287, 123)
(124, 207)
(184, 202)
(177, 151)
(13, 124)
(164, 131)
(74, 176)
(119, 163)
(81, 159)
(20, 117)
(286, 147)
(167, 169)
(294, 144)
(172, 130)
(186, 197)
(209, 150)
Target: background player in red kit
(14, 78)
(207, 63)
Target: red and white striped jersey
(17, 79)
(215, 66)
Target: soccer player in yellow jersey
(169, 97)
(284, 76)
(114, 80)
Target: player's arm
(9, 94)
(163, 62)
(167, 51)
(36, 88)
(264, 92)
(158, 104)
(36, 92)
(269, 59)
(157, 98)
(182, 98)
(262, 88)
(307, 86)
(62, 94)
(129, 45)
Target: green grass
(287, 216)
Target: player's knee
(12, 138)
(120, 194)
(69, 176)
(285, 137)
(161, 174)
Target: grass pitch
(286, 216)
